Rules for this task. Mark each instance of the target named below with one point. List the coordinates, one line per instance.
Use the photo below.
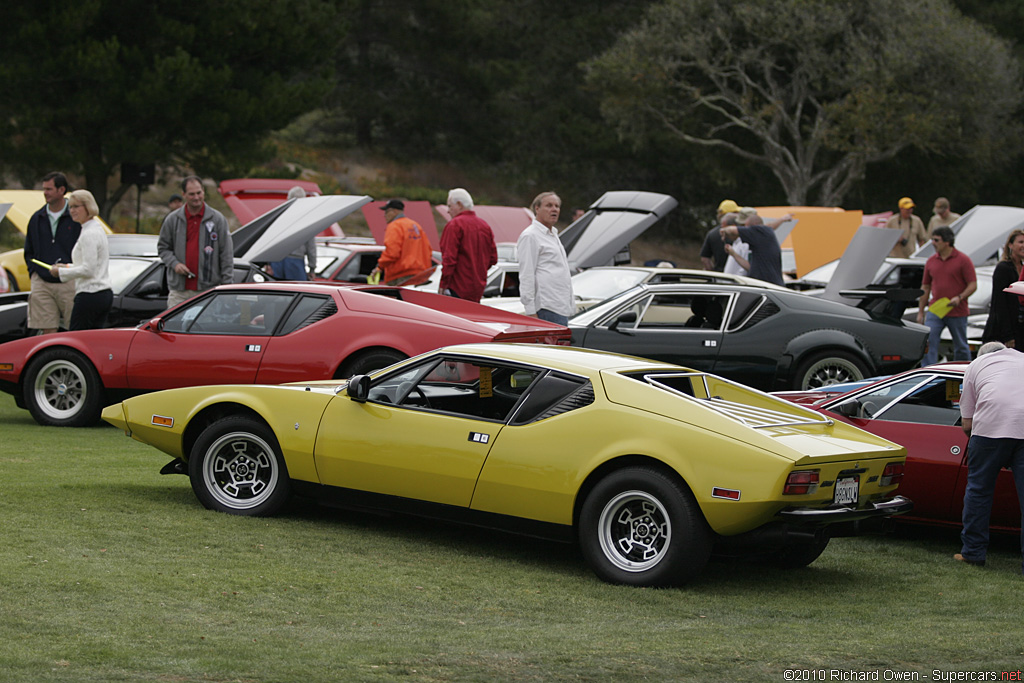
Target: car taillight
(799, 483)
(892, 474)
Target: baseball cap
(906, 203)
(394, 204)
(728, 206)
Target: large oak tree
(815, 90)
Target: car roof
(566, 358)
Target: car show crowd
(853, 355)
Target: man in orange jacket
(406, 248)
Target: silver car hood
(860, 261)
(981, 232)
(283, 229)
(610, 224)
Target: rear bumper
(897, 505)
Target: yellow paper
(40, 263)
(373, 278)
(941, 307)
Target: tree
(96, 83)
(814, 90)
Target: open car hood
(250, 198)
(611, 223)
(280, 231)
(981, 232)
(860, 261)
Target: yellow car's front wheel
(236, 467)
(641, 527)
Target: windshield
(124, 271)
(605, 282)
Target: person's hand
(729, 250)
(182, 269)
(920, 317)
(955, 301)
(55, 269)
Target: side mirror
(155, 325)
(625, 318)
(149, 290)
(359, 388)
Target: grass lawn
(111, 572)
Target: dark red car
(920, 409)
(266, 333)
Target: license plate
(847, 489)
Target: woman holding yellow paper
(1004, 311)
(89, 267)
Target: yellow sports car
(648, 466)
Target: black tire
(236, 467)
(366, 362)
(12, 281)
(61, 388)
(826, 368)
(799, 555)
(640, 527)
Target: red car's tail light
(892, 474)
(799, 483)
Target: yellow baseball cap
(906, 203)
(728, 206)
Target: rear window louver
(583, 396)
(327, 310)
(766, 310)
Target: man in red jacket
(406, 248)
(467, 249)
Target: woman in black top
(1004, 311)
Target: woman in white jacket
(89, 266)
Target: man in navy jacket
(50, 237)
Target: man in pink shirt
(948, 274)
(992, 417)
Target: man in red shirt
(406, 248)
(467, 249)
(948, 274)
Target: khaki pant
(50, 304)
(176, 296)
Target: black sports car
(770, 338)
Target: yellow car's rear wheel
(641, 527)
(236, 467)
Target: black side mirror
(359, 388)
(629, 317)
(149, 290)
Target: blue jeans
(957, 329)
(552, 317)
(985, 457)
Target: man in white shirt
(992, 418)
(545, 286)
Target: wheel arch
(210, 414)
(347, 361)
(803, 346)
(622, 462)
(35, 353)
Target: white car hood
(611, 223)
(860, 261)
(981, 232)
(280, 231)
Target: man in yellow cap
(712, 252)
(913, 232)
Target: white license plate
(847, 489)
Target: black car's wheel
(61, 388)
(367, 361)
(827, 368)
(798, 555)
(640, 527)
(12, 281)
(236, 466)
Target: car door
(920, 412)
(219, 338)
(682, 327)
(424, 432)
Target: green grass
(111, 572)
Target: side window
(303, 313)
(934, 400)
(235, 313)
(553, 394)
(457, 387)
(745, 304)
(695, 311)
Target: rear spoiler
(884, 302)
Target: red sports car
(920, 409)
(248, 333)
